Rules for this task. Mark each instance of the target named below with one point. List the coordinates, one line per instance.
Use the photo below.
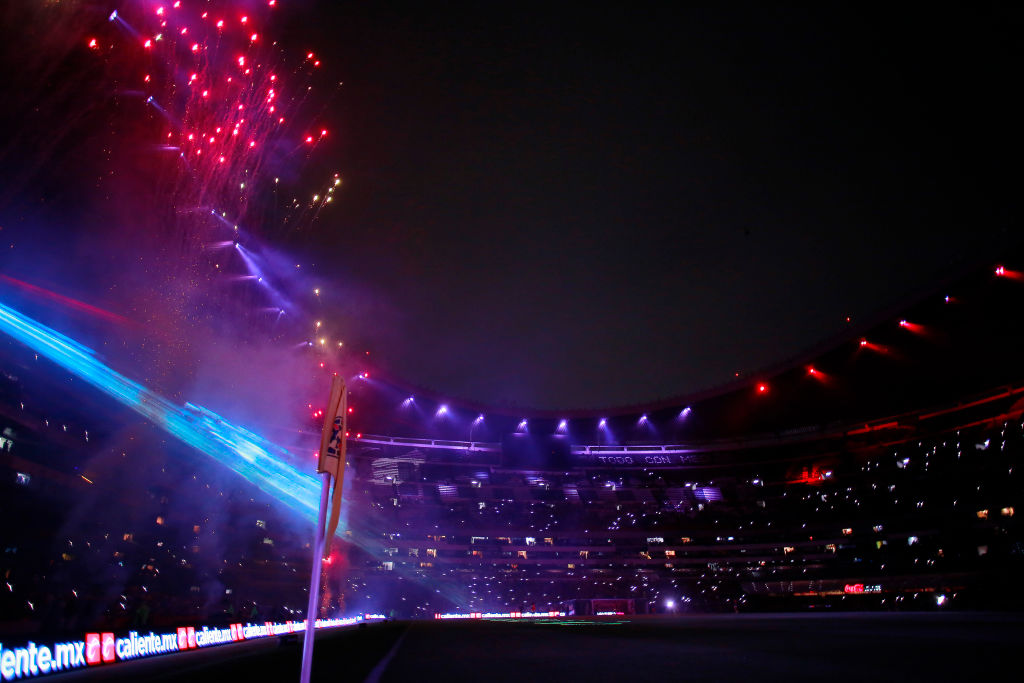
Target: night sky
(582, 207)
(586, 207)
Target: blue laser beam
(261, 462)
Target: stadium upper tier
(1001, 403)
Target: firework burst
(228, 110)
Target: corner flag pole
(314, 580)
(331, 461)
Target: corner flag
(332, 452)
(333, 437)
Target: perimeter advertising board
(98, 649)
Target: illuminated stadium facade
(881, 472)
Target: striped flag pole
(331, 447)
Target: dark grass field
(818, 647)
